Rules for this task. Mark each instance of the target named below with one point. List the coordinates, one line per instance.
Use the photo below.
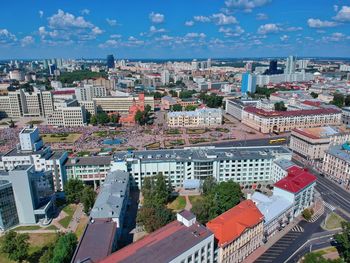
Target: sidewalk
(272, 240)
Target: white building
(199, 118)
(290, 65)
(68, 117)
(262, 80)
(235, 107)
(165, 77)
(88, 92)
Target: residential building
(280, 169)
(311, 143)
(89, 92)
(88, 169)
(244, 165)
(90, 106)
(248, 83)
(283, 121)
(277, 212)
(336, 164)
(238, 232)
(167, 102)
(205, 117)
(290, 65)
(235, 107)
(29, 197)
(68, 117)
(181, 241)
(345, 115)
(297, 187)
(302, 76)
(43, 158)
(165, 77)
(112, 199)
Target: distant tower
(248, 83)
(110, 61)
(290, 65)
(249, 66)
(273, 67)
(209, 63)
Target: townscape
(207, 159)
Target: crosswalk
(315, 217)
(297, 228)
(329, 206)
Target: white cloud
(111, 43)
(229, 32)
(63, 20)
(85, 11)
(269, 28)
(164, 38)
(335, 8)
(41, 13)
(115, 36)
(284, 38)
(246, 5)
(293, 28)
(156, 17)
(203, 19)
(194, 35)
(222, 19)
(189, 23)
(335, 37)
(344, 14)
(261, 16)
(153, 29)
(27, 40)
(111, 22)
(317, 23)
(6, 37)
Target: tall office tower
(290, 65)
(110, 61)
(273, 67)
(52, 68)
(302, 63)
(248, 83)
(165, 77)
(249, 66)
(209, 63)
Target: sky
(174, 28)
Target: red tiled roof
(296, 180)
(231, 224)
(291, 113)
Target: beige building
(197, 118)
(311, 143)
(90, 106)
(68, 117)
(283, 121)
(238, 231)
(120, 104)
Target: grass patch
(333, 221)
(83, 153)
(198, 140)
(69, 209)
(174, 143)
(178, 204)
(173, 131)
(196, 131)
(51, 227)
(59, 137)
(225, 130)
(81, 226)
(153, 146)
(24, 228)
(34, 122)
(107, 133)
(195, 198)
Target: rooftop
(95, 160)
(319, 132)
(284, 163)
(231, 224)
(196, 112)
(296, 180)
(163, 245)
(339, 152)
(96, 242)
(109, 202)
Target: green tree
(343, 240)
(338, 100)
(93, 120)
(307, 214)
(16, 246)
(212, 100)
(64, 248)
(173, 93)
(147, 188)
(208, 185)
(102, 118)
(139, 117)
(186, 94)
(157, 95)
(314, 95)
(279, 106)
(12, 124)
(48, 253)
(73, 190)
(190, 107)
(154, 217)
(88, 198)
(176, 107)
(160, 193)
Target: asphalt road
(243, 143)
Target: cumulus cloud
(153, 29)
(189, 23)
(222, 19)
(344, 14)
(284, 38)
(27, 40)
(335, 37)
(164, 38)
(115, 36)
(292, 28)
(111, 43)
(85, 11)
(156, 18)
(203, 19)
(195, 35)
(317, 23)
(269, 29)
(6, 37)
(111, 22)
(232, 32)
(335, 8)
(247, 5)
(41, 13)
(261, 16)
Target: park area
(60, 137)
(333, 221)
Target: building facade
(68, 117)
(198, 118)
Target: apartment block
(68, 117)
(198, 118)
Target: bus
(278, 140)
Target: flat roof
(319, 132)
(163, 245)
(96, 242)
(95, 160)
(284, 163)
(339, 152)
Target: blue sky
(174, 28)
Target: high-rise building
(248, 83)
(165, 77)
(209, 63)
(52, 68)
(273, 66)
(249, 66)
(110, 61)
(290, 65)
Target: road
(243, 143)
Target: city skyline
(176, 29)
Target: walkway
(188, 206)
(75, 219)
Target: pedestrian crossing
(329, 206)
(297, 228)
(315, 217)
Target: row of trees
(217, 199)
(212, 100)
(279, 106)
(340, 100)
(144, 117)
(178, 107)
(156, 194)
(16, 246)
(104, 118)
(77, 192)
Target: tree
(139, 117)
(12, 124)
(186, 94)
(154, 217)
(314, 95)
(173, 93)
(157, 95)
(307, 214)
(88, 198)
(176, 107)
(73, 190)
(190, 107)
(343, 239)
(279, 106)
(48, 254)
(212, 100)
(93, 120)
(338, 100)
(147, 187)
(16, 246)
(64, 248)
(208, 185)
(160, 193)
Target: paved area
(188, 206)
(76, 218)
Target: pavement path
(75, 219)
(188, 206)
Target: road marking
(321, 183)
(297, 228)
(332, 208)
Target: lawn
(69, 209)
(35, 122)
(173, 131)
(222, 130)
(178, 204)
(153, 146)
(107, 133)
(81, 226)
(60, 137)
(198, 140)
(174, 143)
(27, 228)
(196, 131)
(83, 153)
(195, 198)
(333, 221)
